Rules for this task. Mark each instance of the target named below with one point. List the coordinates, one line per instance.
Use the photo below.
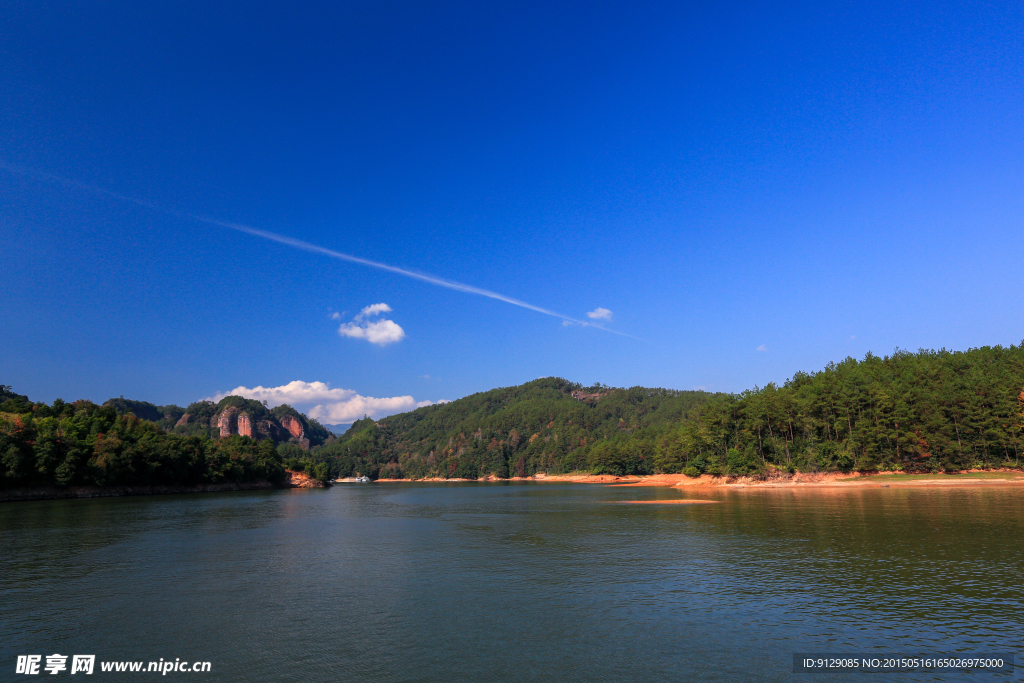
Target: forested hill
(545, 425)
(134, 443)
(924, 411)
(230, 415)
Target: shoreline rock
(293, 480)
(301, 480)
(54, 493)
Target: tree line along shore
(929, 411)
(125, 443)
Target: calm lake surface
(514, 581)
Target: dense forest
(134, 443)
(924, 411)
(548, 425)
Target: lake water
(514, 581)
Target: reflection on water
(523, 581)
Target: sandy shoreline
(54, 493)
(800, 479)
(681, 501)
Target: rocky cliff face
(592, 398)
(296, 429)
(245, 425)
(232, 420)
(265, 429)
(246, 417)
(293, 426)
(227, 421)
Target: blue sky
(749, 189)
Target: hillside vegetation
(134, 443)
(924, 411)
(917, 412)
(516, 431)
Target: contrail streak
(306, 246)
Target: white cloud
(600, 314)
(292, 393)
(380, 332)
(762, 347)
(335, 316)
(331, 406)
(344, 412)
(373, 309)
